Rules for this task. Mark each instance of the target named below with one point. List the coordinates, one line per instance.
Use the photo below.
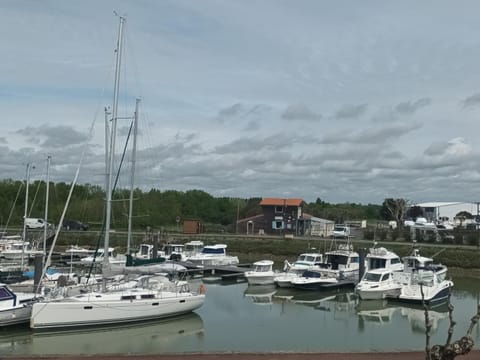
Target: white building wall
(449, 209)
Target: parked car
(74, 225)
(341, 231)
(34, 223)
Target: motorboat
(214, 255)
(340, 269)
(303, 262)
(378, 284)
(425, 287)
(73, 254)
(381, 258)
(150, 298)
(416, 261)
(261, 274)
(15, 307)
(113, 257)
(18, 250)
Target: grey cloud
(472, 101)
(351, 111)
(377, 135)
(53, 136)
(410, 107)
(240, 110)
(275, 142)
(453, 148)
(252, 126)
(3, 140)
(231, 111)
(300, 112)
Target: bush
(395, 234)
(472, 238)
(407, 235)
(368, 234)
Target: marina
(236, 317)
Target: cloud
(53, 136)
(277, 142)
(351, 111)
(411, 107)
(454, 147)
(375, 135)
(300, 112)
(472, 101)
(239, 110)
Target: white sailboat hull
(85, 311)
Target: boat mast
(46, 209)
(113, 131)
(25, 214)
(132, 176)
(107, 131)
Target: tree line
(153, 208)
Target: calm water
(239, 318)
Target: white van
(341, 231)
(34, 223)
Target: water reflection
(260, 294)
(140, 339)
(382, 312)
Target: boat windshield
(262, 268)
(423, 278)
(376, 263)
(372, 277)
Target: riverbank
(413, 355)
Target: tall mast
(25, 214)
(113, 131)
(46, 208)
(132, 176)
(107, 131)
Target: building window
(278, 209)
(277, 224)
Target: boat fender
(202, 289)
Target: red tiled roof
(281, 202)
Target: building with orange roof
(284, 217)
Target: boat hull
(74, 314)
(18, 315)
(260, 280)
(380, 294)
(413, 294)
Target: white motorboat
(214, 255)
(15, 307)
(262, 273)
(74, 254)
(425, 286)
(381, 258)
(416, 261)
(113, 258)
(151, 299)
(341, 268)
(304, 262)
(17, 250)
(378, 284)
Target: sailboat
(142, 299)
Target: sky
(346, 101)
